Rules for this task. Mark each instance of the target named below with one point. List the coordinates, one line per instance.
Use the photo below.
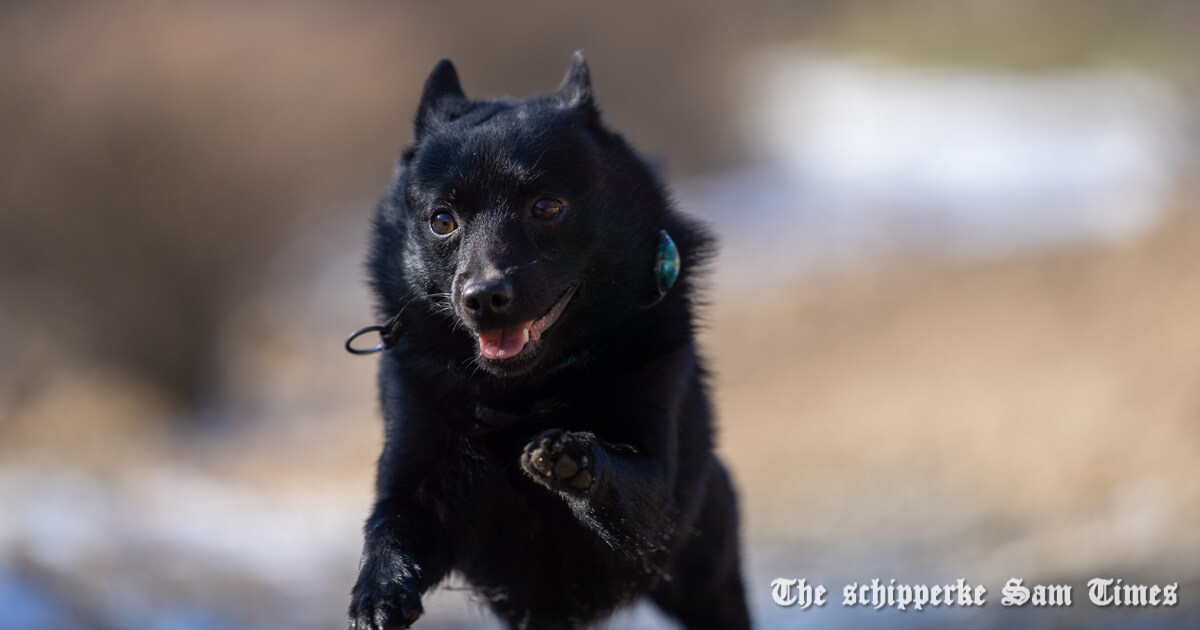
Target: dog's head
(528, 225)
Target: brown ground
(1043, 411)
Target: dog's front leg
(403, 556)
(618, 492)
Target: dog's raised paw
(561, 461)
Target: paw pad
(559, 461)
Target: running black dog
(548, 430)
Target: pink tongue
(502, 343)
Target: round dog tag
(668, 264)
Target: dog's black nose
(487, 297)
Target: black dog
(548, 431)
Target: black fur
(577, 475)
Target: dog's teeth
(526, 331)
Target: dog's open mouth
(505, 343)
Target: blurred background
(955, 322)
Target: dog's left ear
(441, 100)
(575, 91)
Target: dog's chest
(513, 538)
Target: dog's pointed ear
(576, 87)
(442, 99)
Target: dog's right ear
(442, 99)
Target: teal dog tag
(668, 264)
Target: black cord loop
(389, 335)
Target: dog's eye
(546, 209)
(442, 224)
